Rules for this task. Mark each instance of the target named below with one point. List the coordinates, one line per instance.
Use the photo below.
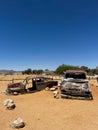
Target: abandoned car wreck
(75, 85)
(37, 83)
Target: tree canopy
(61, 68)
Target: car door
(41, 84)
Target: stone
(5, 103)
(9, 103)
(47, 88)
(52, 89)
(18, 123)
(15, 93)
(10, 106)
(56, 94)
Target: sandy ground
(40, 111)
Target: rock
(47, 88)
(9, 103)
(56, 94)
(18, 123)
(15, 93)
(57, 97)
(10, 106)
(52, 89)
(5, 103)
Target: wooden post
(13, 80)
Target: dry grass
(41, 111)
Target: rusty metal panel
(76, 86)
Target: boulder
(10, 106)
(9, 103)
(18, 123)
(5, 103)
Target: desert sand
(41, 111)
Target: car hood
(76, 84)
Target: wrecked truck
(35, 83)
(75, 85)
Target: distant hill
(4, 71)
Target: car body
(16, 87)
(75, 85)
(37, 83)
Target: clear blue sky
(43, 34)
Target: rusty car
(75, 85)
(35, 83)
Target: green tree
(37, 71)
(40, 71)
(63, 67)
(85, 68)
(28, 71)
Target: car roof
(34, 77)
(37, 77)
(75, 71)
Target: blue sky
(43, 34)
